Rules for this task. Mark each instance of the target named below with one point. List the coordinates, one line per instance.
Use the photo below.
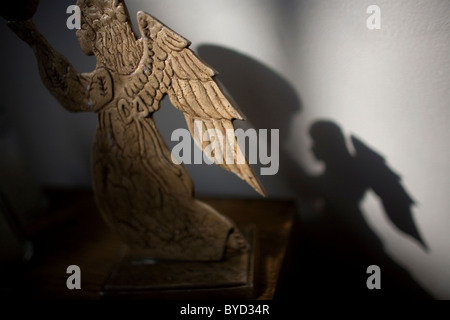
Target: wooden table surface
(74, 234)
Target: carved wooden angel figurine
(146, 198)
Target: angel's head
(107, 33)
(328, 141)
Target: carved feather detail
(189, 82)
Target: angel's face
(86, 37)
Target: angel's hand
(25, 30)
(19, 10)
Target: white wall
(389, 87)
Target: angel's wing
(387, 185)
(174, 69)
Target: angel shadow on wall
(347, 177)
(343, 184)
(270, 102)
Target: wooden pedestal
(74, 234)
(143, 278)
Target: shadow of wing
(387, 185)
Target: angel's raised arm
(70, 88)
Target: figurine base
(142, 278)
